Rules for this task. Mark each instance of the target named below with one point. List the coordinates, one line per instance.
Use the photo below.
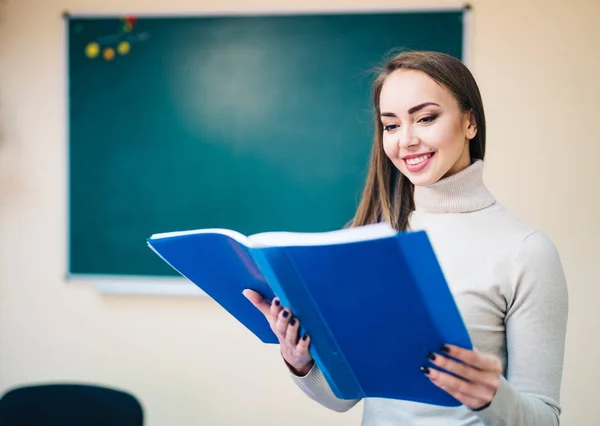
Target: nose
(406, 138)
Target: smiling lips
(417, 162)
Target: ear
(470, 125)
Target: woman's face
(425, 134)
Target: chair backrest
(69, 405)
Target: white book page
(348, 235)
(281, 239)
(228, 232)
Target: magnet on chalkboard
(92, 50)
(123, 48)
(109, 54)
(128, 23)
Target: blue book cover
(374, 300)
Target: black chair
(69, 405)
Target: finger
(303, 344)
(275, 309)
(291, 334)
(258, 301)
(461, 369)
(281, 325)
(474, 358)
(466, 371)
(457, 386)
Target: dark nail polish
(445, 349)
(292, 321)
(285, 314)
(425, 370)
(304, 336)
(431, 356)
(277, 302)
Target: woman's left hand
(479, 375)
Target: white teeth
(415, 161)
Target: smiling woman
(426, 173)
(427, 104)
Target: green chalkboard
(249, 122)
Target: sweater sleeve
(536, 323)
(314, 385)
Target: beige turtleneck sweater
(510, 288)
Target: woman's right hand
(294, 348)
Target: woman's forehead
(403, 89)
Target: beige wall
(538, 64)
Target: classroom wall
(538, 65)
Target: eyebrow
(410, 111)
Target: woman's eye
(428, 119)
(390, 127)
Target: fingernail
(431, 356)
(292, 321)
(304, 336)
(425, 370)
(445, 349)
(285, 314)
(277, 302)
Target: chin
(422, 178)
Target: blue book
(374, 300)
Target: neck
(462, 192)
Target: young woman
(507, 278)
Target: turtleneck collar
(462, 192)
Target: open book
(373, 300)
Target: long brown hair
(388, 195)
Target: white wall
(538, 64)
